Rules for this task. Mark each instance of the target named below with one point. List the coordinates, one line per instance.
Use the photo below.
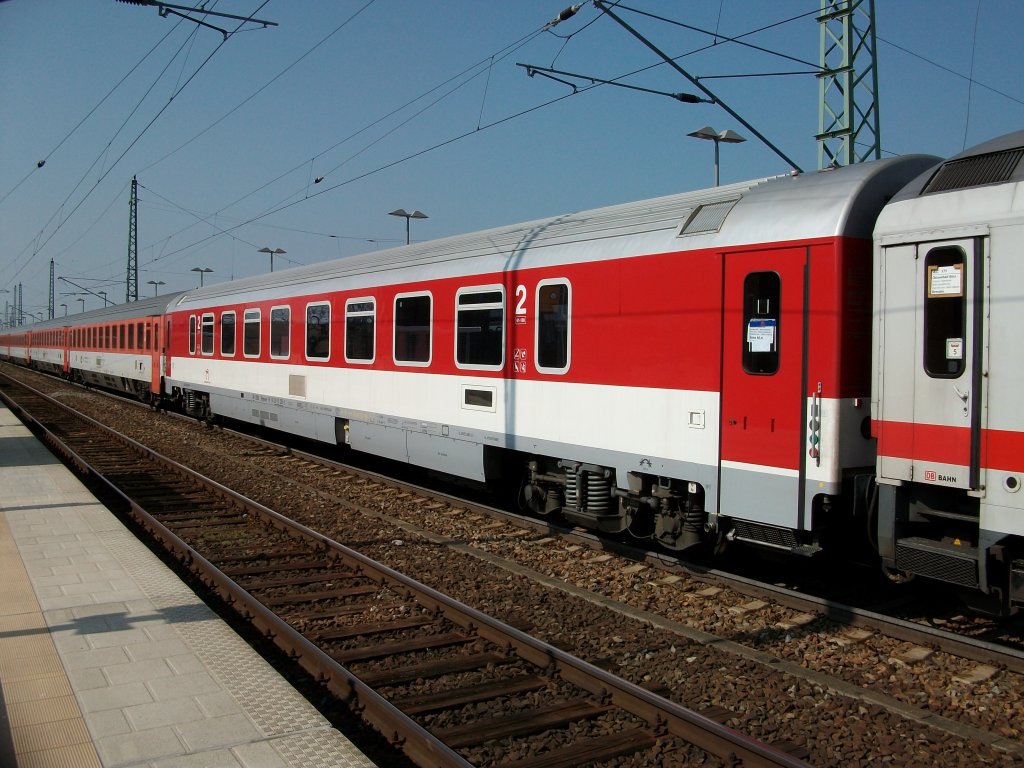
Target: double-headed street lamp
(709, 133)
(202, 272)
(271, 252)
(156, 286)
(407, 215)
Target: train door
(930, 400)
(762, 386)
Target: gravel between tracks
(772, 701)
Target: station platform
(108, 659)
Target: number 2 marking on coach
(521, 304)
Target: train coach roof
(997, 161)
(148, 307)
(842, 202)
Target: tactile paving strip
(274, 706)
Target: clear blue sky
(270, 109)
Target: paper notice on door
(761, 335)
(945, 281)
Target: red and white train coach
(681, 367)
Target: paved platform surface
(108, 659)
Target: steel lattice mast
(49, 307)
(848, 126)
(132, 282)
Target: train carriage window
(149, 335)
(762, 292)
(412, 329)
(318, 331)
(553, 320)
(206, 334)
(480, 328)
(280, 332)
(360, 317)
(122, 335)
(139, 335)
(131, 336)
(107, 343)
(192, 334)
(227, 334)
(945, 312)
(251, 333)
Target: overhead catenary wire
(141, 133)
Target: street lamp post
(104, 295)
(709, 133)
(83, 304)
(404, 213)
(271, 252)
(65, 309)
(203, 270)
(156, 286)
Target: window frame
(481, 307)
(192, 330)
(774, 362)
(257, 320)
(538, 289)
(232, 336)
(372, 314)
(936, 316)
(207, 328)
(288, 333)
(327, 356)
(410, 363)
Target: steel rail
(418, 743)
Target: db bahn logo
(929, 476)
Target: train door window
(762, 292)
(280, 331)
(945, 313)
(251, 333)
(318, 331)
(192, 334)
(155, 329)
(553, 313)
(412, 329)
(227, 334)
(131, 336)
(480, 328)
(359, 330)
(206, 333)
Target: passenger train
(775, 362)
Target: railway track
(447, 684)
(707, 643)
